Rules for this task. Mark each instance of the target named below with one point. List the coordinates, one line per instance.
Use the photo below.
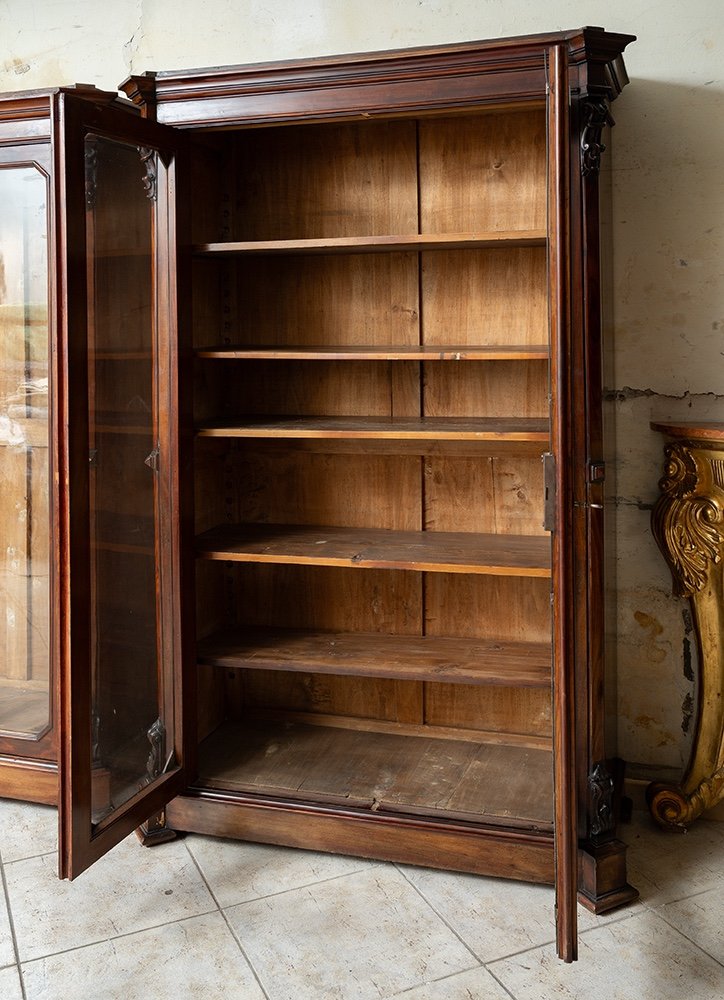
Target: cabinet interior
(371, 402)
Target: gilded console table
(688, 524)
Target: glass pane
(126, 732)
(24, 524)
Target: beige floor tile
(195, 958)
(498, 917)
(10, 984)
(363, 935)
(700, 918)
(665, 866)
(7, 952)
(27, 830)
(477, 984)
(130, 889)
(495, 917)
(641, 958)
(238, 872)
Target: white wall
(668, 226)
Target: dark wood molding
(451, 846)
(29, 780)
(501, 71)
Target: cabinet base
(452, 846)
(602, 884)
(29, 780)
(155, 831)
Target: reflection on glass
(128, 737)
(24, 525)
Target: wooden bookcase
(373, 584)
(330, 341)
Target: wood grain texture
(440, 551)
(404, 657)
(487, 850)
(379, 428)
(711, 430)
(355, 491)
(524, 711)
(489, 494)
(496, 607)
(289, 187)
(29, 780)
(508, 387)
(369, 352)
(483, 172)
(483, 297)
(385, 771)
(378, 244)
(341, 300)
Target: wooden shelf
(24, 708)
(449, 778)
(399, 657)
(377, 244)
(372, 352)
(423, 551)
(120, 356)
(383, 428)
(122, 422)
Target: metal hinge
(549, 485)
(596, 472)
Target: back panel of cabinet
(371, 332)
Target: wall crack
(130, 48)
(627, 392)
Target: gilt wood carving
(688, 524)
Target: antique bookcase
(28, 672)
(326, 457)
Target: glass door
(120, 728)
(559, 506)
(25, 702)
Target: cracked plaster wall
(667, 331)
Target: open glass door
(120, 730)
(560, 507)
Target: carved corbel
(596, 116)
(601, 790)
(91, 171)
(148, 159)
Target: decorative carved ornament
(674, 808)
(148, 159)
(686, 524)
(91, 172)
(600, 787)
(157, 738)
(596, 115)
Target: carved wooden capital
(688, 519)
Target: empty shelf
(431, 551)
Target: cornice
(432, 72)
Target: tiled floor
(209, 918)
